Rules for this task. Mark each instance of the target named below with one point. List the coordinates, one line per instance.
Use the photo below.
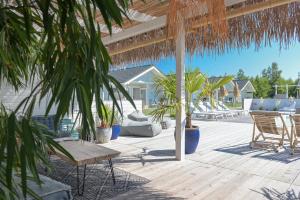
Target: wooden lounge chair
(272, 129)
(295, 132)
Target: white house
(138, 81)
(245, 86)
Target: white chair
(200, 112)
(227, 113)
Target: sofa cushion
(137, 116)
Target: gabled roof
(126, 75)
(240, 83)
(213, 79)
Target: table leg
(112, 170)
(80, 192)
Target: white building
(245, 86)
(138, 81)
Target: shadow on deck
(273, 194)
(283, 156)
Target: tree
(58, 45)
(210, 88)
(194, 81)
(241, 75)
(262, 87)
(273, 74)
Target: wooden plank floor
(223, 167)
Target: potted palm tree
(211, 87)
(104, 129)
(166, 89)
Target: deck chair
(295, 132)
(271, 127)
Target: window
(136, 94)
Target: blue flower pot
(116, 129)
(192, 136)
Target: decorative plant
(56, 47)
(166, 89)
(109, 117)
(210, 88)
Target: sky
(250, 60)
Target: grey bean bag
(138, 116)
(136, 125)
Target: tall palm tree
(57, 44)
(166, 89)
(211, 87)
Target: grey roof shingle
(124, 75)
(241, 83)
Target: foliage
(273, 74)
(211, 87)
(109, 118)
(56, 47)
(166, 89)
(24, 143)
(241, 75)
(264, 84)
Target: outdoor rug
(98, 182)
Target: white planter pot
(103, 135)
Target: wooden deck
(224, 167)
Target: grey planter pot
(103, 135)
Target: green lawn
(234, 105)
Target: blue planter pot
(116, 129)
(192, 136)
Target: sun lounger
(271, 128)
(295, 132)
(226, 113)
(200, 113)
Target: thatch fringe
(280, 24)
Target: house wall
(143, 82)
(11, 99)
(246, 93)
(148, 80)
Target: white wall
(268, 104)
(11, 99)
(127, 108)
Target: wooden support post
(180, 94)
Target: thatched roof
(214, 30)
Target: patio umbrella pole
(180, 94)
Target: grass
(237, 105)
(148, 111)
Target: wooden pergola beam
(231, 14)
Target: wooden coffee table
(85, 153)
